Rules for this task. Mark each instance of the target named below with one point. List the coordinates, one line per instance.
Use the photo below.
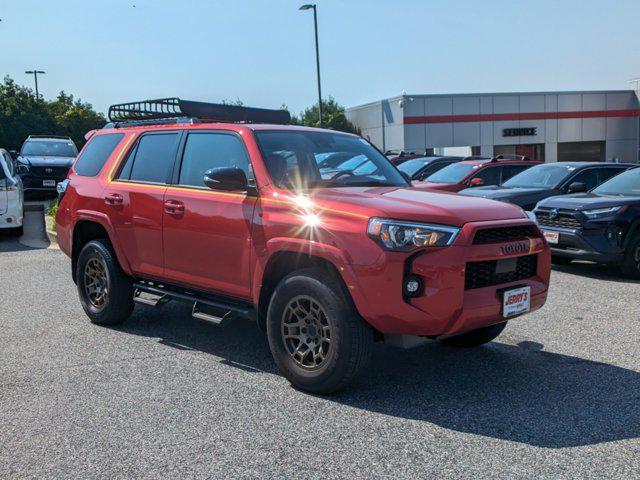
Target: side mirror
(476, 182)
(577, 187)
(226, 178)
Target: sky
(262, 51)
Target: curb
(52, 235)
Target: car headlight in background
(603, 212)
(402, 236)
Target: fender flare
(326, 252)
(104, 221)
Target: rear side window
(95, 154)
(204, 151)
(152, 158)
(607, 173)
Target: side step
(204, 308)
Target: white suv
(11, 194)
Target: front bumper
(33, 183)
(445, 307)
(589, 245)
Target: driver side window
(204, 151)
(589, 177)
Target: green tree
(333, 117)
(21, 115)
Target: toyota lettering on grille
(514, 248)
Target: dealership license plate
(48, 183)
(551, 237)
(516, 301)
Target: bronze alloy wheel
(306, 332)
(96, 283)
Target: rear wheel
(631, 262)
(106, 293)
(558, 260)
(475, 338)
(315, 335)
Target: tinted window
(547, 175)
(96, 153)
(509, 171)
(49, 148)
(490, 175)
(204, 151)
(151, 159)
(589, 177)
(607, 173)
(10, 164)
(452, 173)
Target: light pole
(310, 6)
(35, 77)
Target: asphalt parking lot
(556, 396)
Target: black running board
(206, 308)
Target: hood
(412, 204)
(47, 161)
(588, 201)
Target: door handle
(113, 199)
(174, 207)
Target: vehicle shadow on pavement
(596, 271)
(517, 393)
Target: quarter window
(152, 158)
(96, 153)
(204, 151)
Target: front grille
(505, 234)
(56, 172)
(561, 221)
(483, 274)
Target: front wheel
(475, 338)
(315, 335)
(106, 293)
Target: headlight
(603, 212)
(22, 168)
(404, 236)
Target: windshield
(452, 173)
(410, 167)
(548, 176)
(47, 148)
(295, 160)
(626, 183)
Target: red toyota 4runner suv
(234, 216)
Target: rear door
(134, 200)
(207, 233)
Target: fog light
(412, 286)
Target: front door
(207, 233)
(134, 201)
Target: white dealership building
(550, 126)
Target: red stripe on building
(497, 117)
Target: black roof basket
(508, 156)
(167, 109)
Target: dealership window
(581, 152)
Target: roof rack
(57, 137)
(508, 156)
(175, 110)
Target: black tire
(631, 263)
(558, 260)
(351, 339)
(118, 304)
(475, 338)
